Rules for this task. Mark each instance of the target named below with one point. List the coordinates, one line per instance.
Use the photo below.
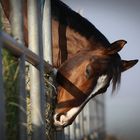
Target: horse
(87, 62)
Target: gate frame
(34, 57)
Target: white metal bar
(81, 125)
(36, 78)
(85, 116)
(47, 47)
(2, 99)
(67, 133)
(92, 116)
(104, 116)
(72, 136)
(74, 130)
(47, 33)
(77, 129)
(83, 120)
(16, 19)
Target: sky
(119, 19)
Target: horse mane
(67, 17)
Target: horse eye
(88, 71)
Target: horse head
(86, 74)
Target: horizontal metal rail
(18, 49)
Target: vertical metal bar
(60, 135)
(92, 107)
(97, 118)
(77, 130)
(101, 117)
(72, 137)
(74, 130)
(47, 46)
(2, 99)
(36, 78)
(88, 118)
(47, 33)
(82, 123)
(16, 19)
(104, 116)
(22, 101)
(67, 133)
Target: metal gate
(90, 123)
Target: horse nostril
(57, 117)
(61, 120)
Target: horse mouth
(61, 121)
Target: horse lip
(57, 117)
(59, 125)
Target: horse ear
(116, 47)
(128, 64)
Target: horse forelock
(114, 68)
(116, 71)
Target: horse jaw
(63, 120)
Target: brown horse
(87, 61)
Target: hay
(49, 106)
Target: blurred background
(119, 20)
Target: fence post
(77, 130)
(47, 33)
(2, 96)
(16, 19)
(48, 56)
(36, 78)
(2, 99)
(67, 133)
(104, 116)
(72, 134)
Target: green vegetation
(10, 72)
(10, 77)
(11, 89)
